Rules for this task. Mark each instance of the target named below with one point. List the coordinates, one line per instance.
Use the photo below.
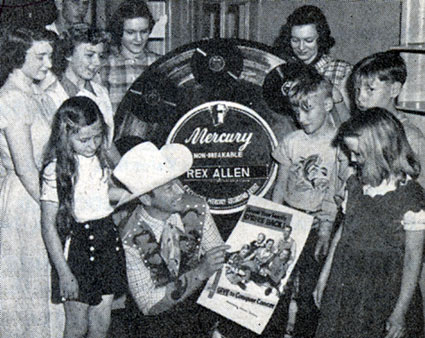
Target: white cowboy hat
(145, 167)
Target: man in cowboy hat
(171, 242)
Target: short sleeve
(16, 109)
(48, 186)
(280, 154)
(414, 221)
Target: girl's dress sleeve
(15, 109)
(414, 221)
(48, 186)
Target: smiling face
(86, 60)
(38, 60)
(135, 35)
(304, 42)
(372, 92)
(87, 140)
(166, 199)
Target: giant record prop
(210, 96)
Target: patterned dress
(26, 310)
(365, 279)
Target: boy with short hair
(311, 171)
(377, 81)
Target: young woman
(77, 227)
(372, 270)
(306, 38)
(25, 116)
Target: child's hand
(395, 325)
(322, 245)
(68, 287)
(318, 292)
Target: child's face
(372, 92)
(87, 140)
(312, 113)
(352, 144)
(86, 60)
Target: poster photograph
(265, 246)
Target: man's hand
(212, 261)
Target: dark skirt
(96, 258)
(361, 293)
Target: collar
(385, 187)
(401, 116)
(21, 81)
(127, 55)
(322, 62)
(157, 226)
(70, 87)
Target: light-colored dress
(25, 307)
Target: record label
(231, 146)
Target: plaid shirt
(336, 71)
(142, 287)
(119, 73)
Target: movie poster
(265, 246)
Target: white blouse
(91, 198)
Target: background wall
(360, 27)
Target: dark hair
(77, 34)
(304, 15)
(382, 144)
(75, 113)
(129, 9)
(386, 66)
(14, 45)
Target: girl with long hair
(369, 281)
(77, 226)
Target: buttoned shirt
(119, 73)
(142, 287)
